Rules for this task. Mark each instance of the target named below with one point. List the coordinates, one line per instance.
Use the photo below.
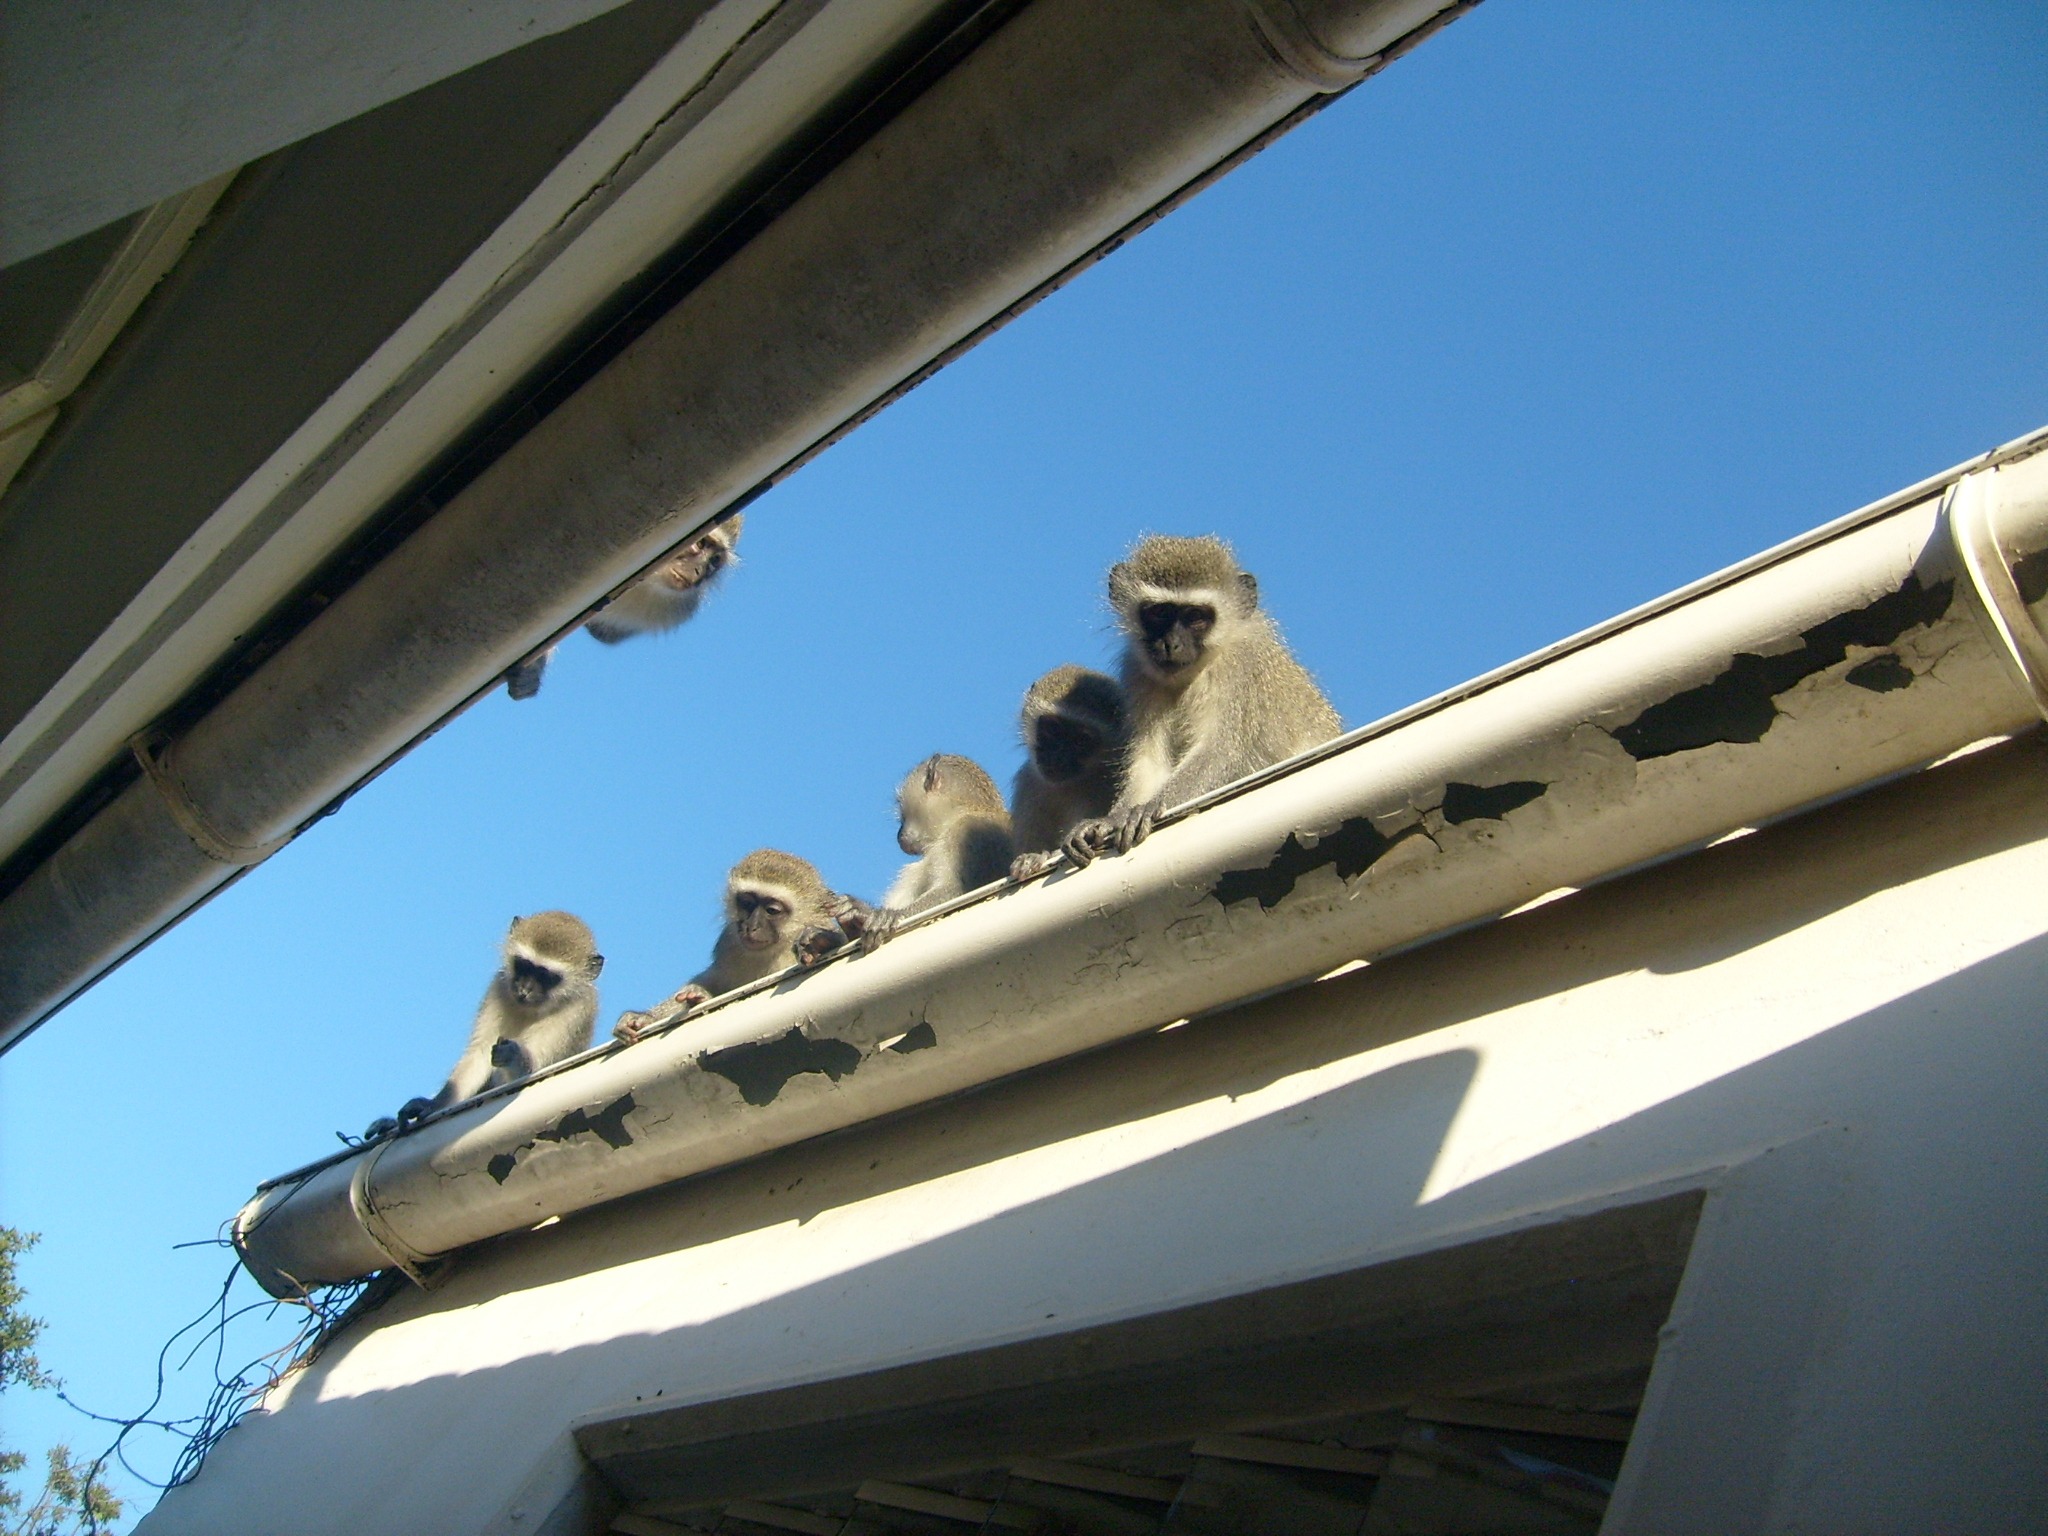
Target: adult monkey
(538, 1010)
(1210, 689)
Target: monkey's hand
(631, 1026)
(412, 1111)
(1135, 825)
(879, 929)
(690, 996)
(1029, 866)
(1088, 840)
(852, 915)
(815, 945)
(510, 1057)
(379, 1128)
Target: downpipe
(1858, 654)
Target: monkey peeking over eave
(539, 1009)
(665, 597)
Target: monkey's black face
(1063, 749)
(1172, 635)
(757, 918)
(531, 982)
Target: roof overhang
(535, 322)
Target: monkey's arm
(850, 918)
(634, 1024)
(1148, 766)
(522, 678)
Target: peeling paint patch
(1739, 705)
(1487, 802)
(1880, 674)
(608, 1125)
(1353, 848)
(762, 1068)
(2030, 575)
(919, 1037)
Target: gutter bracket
(149, 748)
(1969, 511)
(422, 1269)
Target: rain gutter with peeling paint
(1871, 648)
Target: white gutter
(1845, 659)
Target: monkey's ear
(1250, 584)
(931, 775)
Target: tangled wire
(232, 1394)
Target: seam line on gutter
(402, 1256)
(149, 748)
(1296, 48)
(1968, 510)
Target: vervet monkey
(774, 902)
(1073, 728)
(952, 822)
(538, 1010)
(665, 597)
(1210, 689)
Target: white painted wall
(1833, 1025)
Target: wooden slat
(1534, 1421)
(646, 1525)
(947, 1506)
(1072, 1474)
(1292, 1453)
(783, 1518)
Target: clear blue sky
(1582, 301)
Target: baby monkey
(1210, 687)
(775, 905)
(1073, 728)
(538, 1010)
(665, 597)
(952, 822)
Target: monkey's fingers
(852, 915)
(1135, 825)
(815, 945)
(1029, 866)
(880, 929)
(1086, 840)
(631, 1026)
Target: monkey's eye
(773, 908)
(526, 969)
(1157, 617)
(1200, 620)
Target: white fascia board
(737, 85)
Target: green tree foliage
(73, 1499)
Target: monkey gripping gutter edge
(1068, 128)
(1860, 653)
